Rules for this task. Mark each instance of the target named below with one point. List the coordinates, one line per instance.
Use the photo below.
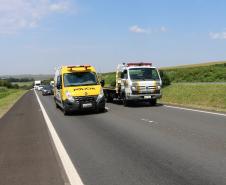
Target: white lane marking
(107, 108)
(69, 168)
(148, 121)
(195, 110)
(144, 119)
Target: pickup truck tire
(125, 101)
(153, 102)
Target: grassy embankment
(8, 97)
(192, 94)
(206, 72)
(203, 96)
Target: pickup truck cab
(77, 88)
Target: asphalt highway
(143, 145)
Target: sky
(36, 36)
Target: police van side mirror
(102, 83)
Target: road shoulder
(27, 156)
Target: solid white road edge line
(69, 168)
(195, 110)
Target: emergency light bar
(138, 64)
(85, 66)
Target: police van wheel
(100, 110)
(66, 111)
(57, 106)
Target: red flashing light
(139, 64)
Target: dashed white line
(148, 121)
(69, 168)
(195, 110)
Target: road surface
(26, 153)
(143, 145)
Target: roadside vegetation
(8, 97)
(14, 83)
(11, 89)
(109, 79)
(200, 95)
(208, 72)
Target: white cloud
(59, 7)
(138, 29)
(163, 29)
(16, 15)
(218, 35)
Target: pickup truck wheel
(153, 102)
(125, 102)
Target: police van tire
(57, 106)
(100, 109)
(65, 111)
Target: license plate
(147, 97)
(87, 105)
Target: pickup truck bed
(110, 93)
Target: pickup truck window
(124, 74)
(80, 78)
(143, 74)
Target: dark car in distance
(47, 90)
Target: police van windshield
(143, 74)
(80, 78)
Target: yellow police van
(77, 88)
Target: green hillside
(206, 72)
(35, 77)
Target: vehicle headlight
(101, 95)
(69, 96)
(158, 87)
(134, 88)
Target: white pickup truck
(135, 82)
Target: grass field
(194, 65)
(22, 84)
(206, 72)
(204, 96)
(8, 98)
